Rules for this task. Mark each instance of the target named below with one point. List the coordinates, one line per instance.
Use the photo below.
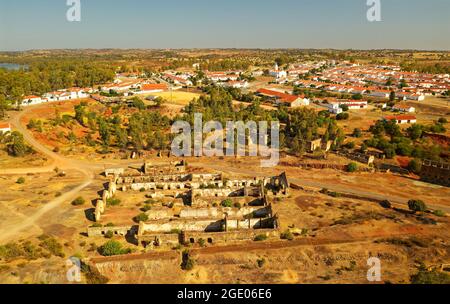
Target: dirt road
(88, 170)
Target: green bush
(430, 277)
(20, 180)
(202, 242)
(287, 235)
(227, 203)
(113, 202)
(52, 246)
(260, 237)
(417, 206)
(352, 167)
(187, 262)
(112, 248)
(78, 201)
(141, 218)
(146, 208)
(439, 213)
(109, 234)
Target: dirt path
(57, 161)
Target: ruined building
(210, 207)
(435, 172)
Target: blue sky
(341, 24)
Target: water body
(12, 66)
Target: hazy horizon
(202, 24)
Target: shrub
(201, 242)
(386, 204)
(112, 248)
(146, 208)
(187, 262)
(51, 245)
(352, 167)
(20, 180)
(430, 277)
(109, 234)
(287, 235)
(260, 237)
(113, 202)
(141, 218)
(227, 203)
(357, 133)
(439, 213)
(237, 205)
(417, 206)
(261, 262)
(78, 201)
(342, 116)
(350, 145)
(442, 120)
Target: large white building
(32, 100)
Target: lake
(12, 66)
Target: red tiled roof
(283, 96)
(5, 125)
(401, 117)
(30, 97)
(154, 86)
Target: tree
(20, 180)
(342, 116)
(417, 206)
(415, 166)
(104, 131)
(415, 131)
(357, 133)
(138, 103)
(4, 106)
(392, 96)
(344, 107)
(16, 145)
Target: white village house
(5, 127)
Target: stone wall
(100, 231)
(166, 226)
(226, 237)
(436, 173)
(359, 157)
(256, 212)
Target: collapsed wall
(436, 173)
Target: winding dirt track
(56, 161)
